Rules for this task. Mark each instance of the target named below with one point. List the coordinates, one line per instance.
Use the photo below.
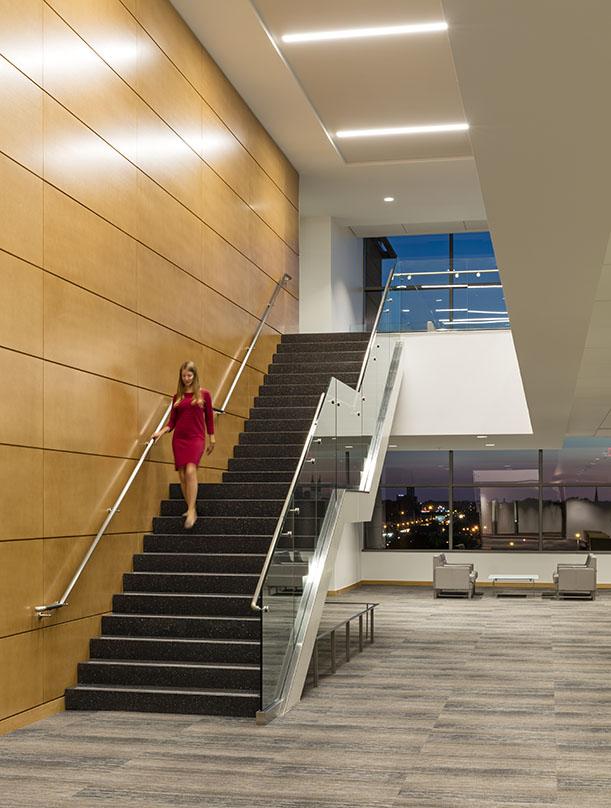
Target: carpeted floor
(488, 703)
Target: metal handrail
(48, 609)
(374, 330)
(286, 277)
(280, 523)
(368, 611)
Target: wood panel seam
(246, 149)
(154, 111)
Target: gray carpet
(487, 703)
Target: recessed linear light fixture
(431, 129)
(491, 444)
(482, 437)
(389, 199)
(362, 33)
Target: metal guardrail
(368, 634)
(48, 609)
(254, 605)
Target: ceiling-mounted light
(431, 129)
(362, 33)
(389, 199)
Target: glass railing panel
(468, 297)
(290, 563)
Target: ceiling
(531, 78)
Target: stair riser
(338, 337)
(143, 702)
(273, 413)
(262, 464)
(185, 583)
(289, 400)
(263, 450)
(313, 357)
(173, 651)
(190, 605)
(296, 380)
(225, 507)
(259, 477)
(218, 491)
(172, 543)
(272, 438)
(102, 673)
(278, 390)
(180, 627)
(279, 427)
(174, 562)
(215, 525)
(332, 368)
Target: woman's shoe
(190, 520)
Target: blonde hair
(195, 385)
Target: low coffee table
(512, 579)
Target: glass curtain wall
(446, 281)
(528, 500)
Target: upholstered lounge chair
(452, 579)
(576, 580)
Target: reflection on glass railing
(337, 460)
(424, 299)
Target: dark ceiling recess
(375, 250)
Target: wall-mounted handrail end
(48, 610)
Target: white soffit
(533, 77)
(300, 93)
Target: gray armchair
(576, 580)
(452, 579)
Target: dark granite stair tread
(198, 555)
(212, 617)
(209, 691)
(193, 640)
(215, 595)
(158, 573)
(234, 666)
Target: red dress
(187, 421)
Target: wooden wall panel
(20, 211)
(20, 117)
(87, 250)
(21, 404)
(21, 305)
(83, 330)
(21, 585)
(146, 218)
(21, 482)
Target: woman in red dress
(191, 417)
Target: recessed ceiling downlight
(433, 129)
(362, 33)
(389, 199)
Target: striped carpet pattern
(495, 703)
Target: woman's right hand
(156, 435)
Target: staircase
(181, 637)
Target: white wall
(330, 276)
(477, 372)
(347, 569)
(407, 566)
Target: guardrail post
(333, 666)
(348, 641)
(360, 632)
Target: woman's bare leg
(181, 477)
(191, 493)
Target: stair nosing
(249, 618)
(176, 691)
(138, 638)
(173, 664)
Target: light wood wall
(145, 217)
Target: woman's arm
(170, 424)
(209, 419)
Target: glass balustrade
(339, 453)
(425, 299)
